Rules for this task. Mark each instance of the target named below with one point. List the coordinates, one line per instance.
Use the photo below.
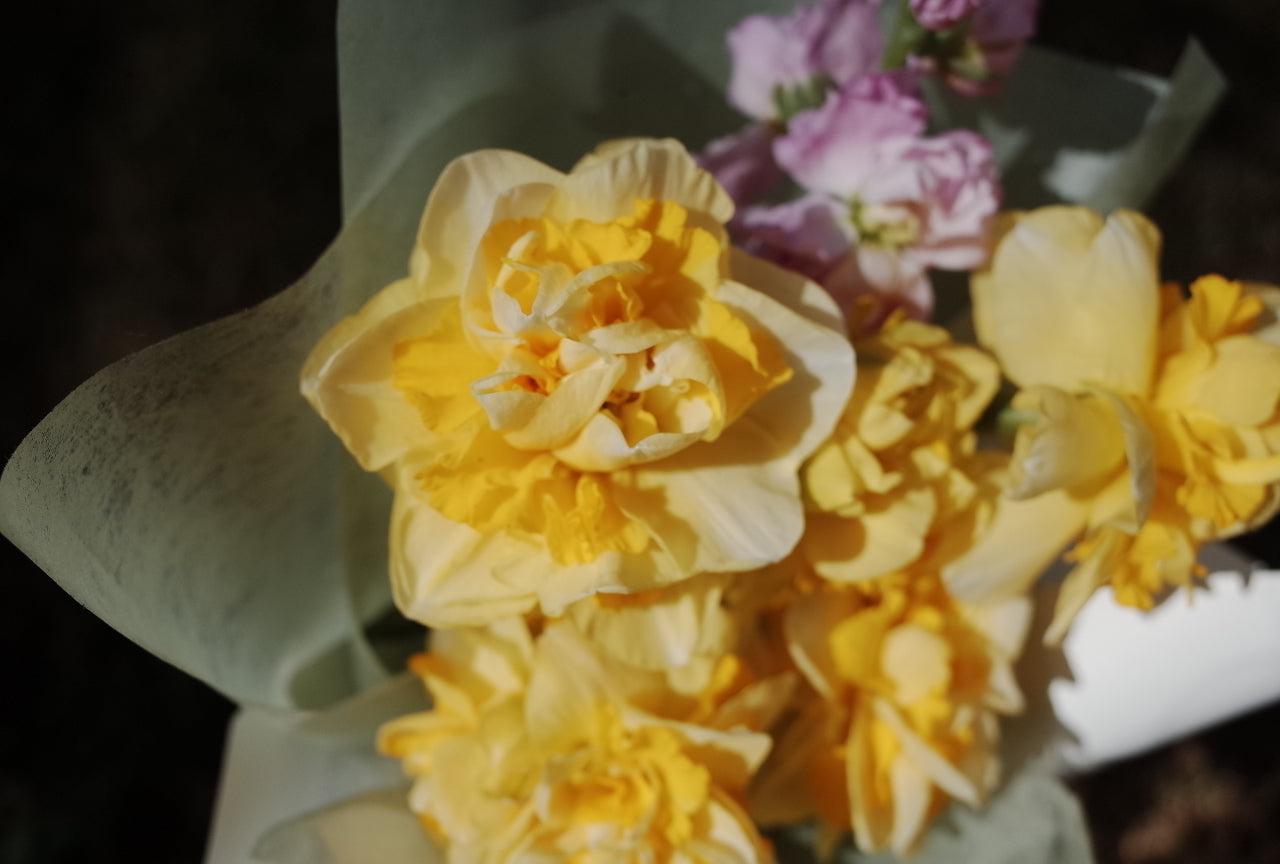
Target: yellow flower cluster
(900, 481)
(692, 575)
(906, 686)
(541, 749)
(1155, 418)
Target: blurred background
(166, 164)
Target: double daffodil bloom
(909, 683)
(900, 479)
(1153, 420)
(541, 749)
(581, 387)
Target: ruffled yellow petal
(639, 168)
(1070, 300)
(1023, 539)
(1074, 443)
(348, 377)
(462, 205)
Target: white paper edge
(1144, 679)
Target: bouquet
(725, 552)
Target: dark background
(168, 163)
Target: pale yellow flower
(1152, 420)
(900, 479)
(581, 387)
(541, 750)
(908, 686)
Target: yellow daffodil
(1154, 420)
(540, 749)
(908, 683)
(581, 387)
(902, 461)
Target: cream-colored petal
(443, 572)
(872, 824)
(683, 621)
(1085, 578)
(568, 408)
(912, 794)
(719, 507)
(730, 755)
(601, 446)
(1242, 385)
(1070, 299)
(1140, 454)
(807, 625)
(461, 208)
(348, 376)
(604, 185)
(568, 689)
(916, 660)
(729, 836)
(810, 330)
(946, 775)
(873, 544)
(1075, 443)
(1024, 538)
(658, 635)
(1003, 622)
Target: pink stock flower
(836, 147)
(743, 163)
(943, 192)
(815, 237)
(884, 203)
(942, 14)
(783, 64)
(975, 59)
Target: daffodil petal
(1140, 454)
(947, 776)
(1075, 443)
(1242, 385)
(809, 619)
(1069, 299)
(1023, 539)
(601, 446)
(460, 209)
(873, 544)
(912, 795)
(568, 689)
(723, 507)
(1084, 579)
(624, 171)
(347, 376)
(803, 412)
(1267, 327)
(442, 572)
(563, 413)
